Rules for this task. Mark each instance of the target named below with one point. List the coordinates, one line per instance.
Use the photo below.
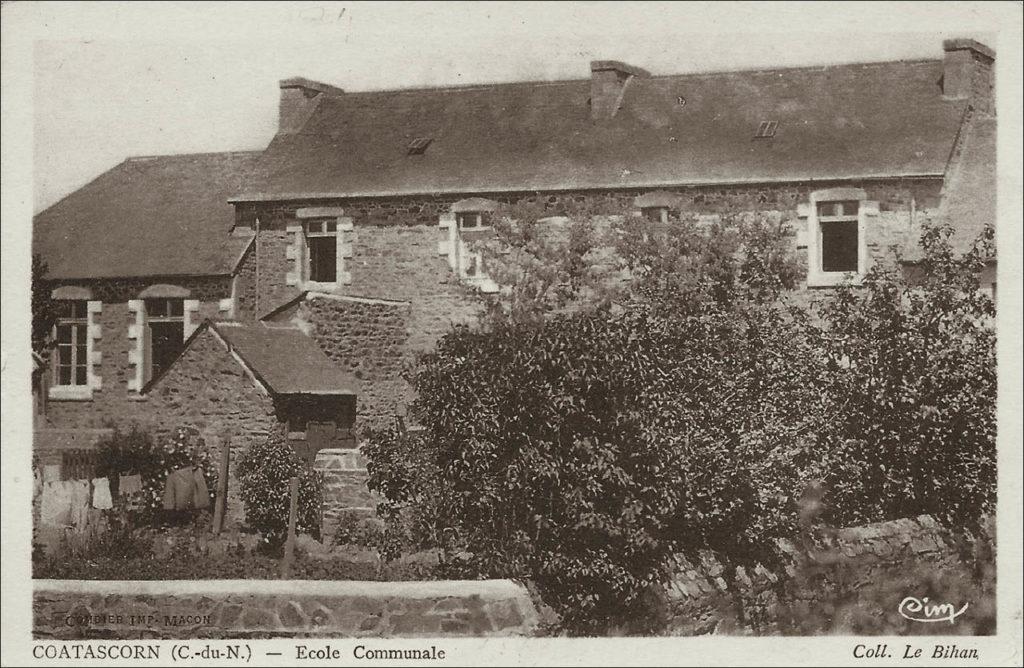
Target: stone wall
(892, 194)
(71, 609)
(112, 403)
(703, 599)
(345, 493)
(369, 339)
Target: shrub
(136, 451)
(913, 379)
(584, 450)
(264, 473)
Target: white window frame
(662, 212)
(456, 250)
(317, 228)
(816, 276)
(311, 222)
(78, 391)
(481, 219)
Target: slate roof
(156, 216)
(286, 360)
(834, 122)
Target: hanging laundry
(80, 503)
(101, 494)
(186, 489)
(129, 484)
(55, 505)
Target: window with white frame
(322, 250)
(838, 224)
(836, 243)
(456, 243)
(656, 214)
(71, 336)
(165, 319)
(473, 220)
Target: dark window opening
(834, 209)
(657, 214)
(471, 220)
(323, 259)
(166, 323)
(839, 247)
(165, 308)
(71, 352)
(168, 340)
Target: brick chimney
(608, 82)
(299, 97)
(968, 73)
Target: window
(837, 249)
(166, 322)
(657, 214)
(419, 145)
(766, 130)
(472, 220)
(322, 245)
(839, 223)
(71, 357)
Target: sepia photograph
(347, 332)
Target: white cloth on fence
(55, 505)
(101, 494)
(129, 484)
(80, 503)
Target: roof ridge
(142, 158)
(561, 82)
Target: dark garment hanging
(186, 489)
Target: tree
(583, 447)
(44, 310)
(913, 377)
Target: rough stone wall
(702, 601)
(70, 609)
(207, 389)
(892, 194)
(345, 491)
(114, 403)
(245, 286)
(367, 338)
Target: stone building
(351, 226)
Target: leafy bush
(583, 451)
(264, 473)
(912, 376)
(136, 452)
(583, 448)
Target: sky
(116, 80)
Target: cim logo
(920, 610)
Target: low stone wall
(703, 599)
(68, 609)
